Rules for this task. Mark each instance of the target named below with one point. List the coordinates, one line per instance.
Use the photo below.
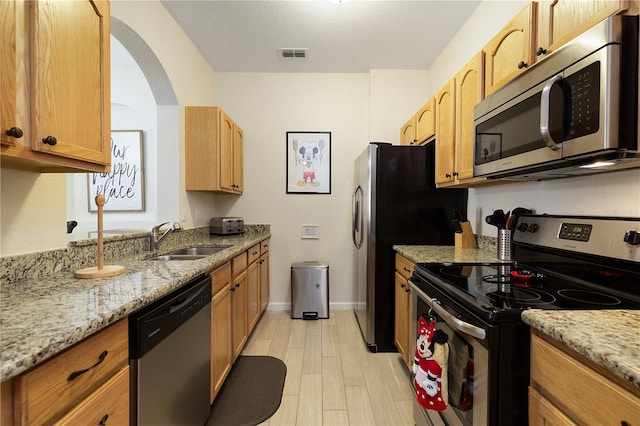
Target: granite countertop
(607, 337)
(41, 316)
(446, 254)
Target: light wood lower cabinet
(238, 301)
(238, 313)
(109, 405)
(253, 295)
(566, 389)
(85, 379)
(221, 353)
(263, 265)
(403, 323)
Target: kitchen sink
(198, 250)
(178, 257)
(191, 253)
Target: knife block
(466, 238)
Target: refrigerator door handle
(356, 229)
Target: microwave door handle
(545, 111)
(456, 323)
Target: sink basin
(191, 253)
(178, 257)
(198, 251)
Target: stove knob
(522, 227)
(632, 237)
(533, 228)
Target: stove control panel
(601, 236)
(575, 231)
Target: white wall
(266, 106)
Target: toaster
(226, 225)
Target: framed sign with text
(123, 186)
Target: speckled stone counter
(608, 337)
(44, 314)
(445, 254)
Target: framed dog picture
(308, 162)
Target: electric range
(560, 262)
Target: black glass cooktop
(492, 288)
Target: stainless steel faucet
(156, 237)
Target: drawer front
(239, 264)
(584, 395)
(264, 246)
(220, 277)
(404, 266)
(254, 253)
(109, 405)
(63, 381)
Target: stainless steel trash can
(310, 290)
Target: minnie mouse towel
(430, 366)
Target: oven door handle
(456, 323)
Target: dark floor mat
(251, 393)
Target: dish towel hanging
(430, 366)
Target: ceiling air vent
(293, 53)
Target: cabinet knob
(103, 420)
(14, 132)
(447, 175)
(522, 64)
(407, 290)
(541, 51)
(455, 173)
(50, 140)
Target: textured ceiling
(353, 36)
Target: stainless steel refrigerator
(395, 201)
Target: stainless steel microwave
(574, 113)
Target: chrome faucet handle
(155, 229)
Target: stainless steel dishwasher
(170, 355)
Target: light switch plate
(309, 232)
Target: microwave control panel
(584, 105)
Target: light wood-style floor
(332, 379)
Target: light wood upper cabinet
(238, 159)
(559, 21)
(55, 85)
(445, 132)
(469, 91)
(421, 126)
(510, 51)
(426, 121)
(408, 132)
(455, 135)
(213, 151)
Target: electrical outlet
(197, 215)
(309, 232)
(183, 215)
